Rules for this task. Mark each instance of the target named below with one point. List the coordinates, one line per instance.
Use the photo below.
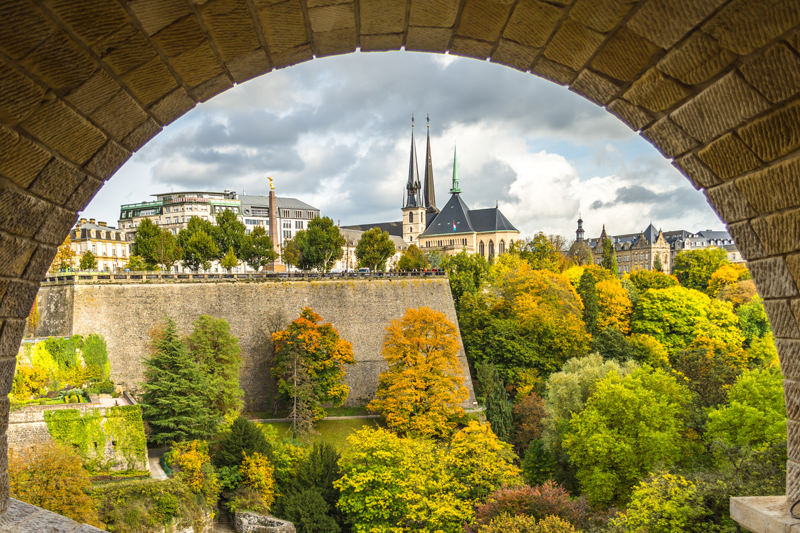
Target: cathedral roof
(453, 218)
(490, 220)
(392, 228)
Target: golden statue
(271, 186)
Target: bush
(540, 501)
(528, 415)
(241, 438)
(527, 524)
(190, 459)
(662, 504)
(102, 387)
(309, 512)
(95, 357)
(257, 489)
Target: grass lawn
(334, 432)
(332, 411)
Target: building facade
(109, 245)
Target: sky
(335, 132)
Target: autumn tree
(726, 275)
(422, 390)
(320, 245)
(64, 255)
(374, 248)
(694, 268)
(710, 366)
(309, 365)
(542, 252)
(738, 293)
(257, 249)
(649, 279)
(614, 306)
(412, 259)
(466, 272)
(663, 503)
(88, 261)
(229, 261)
(33, 317)
(609, 261)
(588, 293)
(528, 415)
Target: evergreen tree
(610, 257)
(588, 294)
(217, 352)
(242, 437)
(499, 408)
(174, 402)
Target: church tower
(414, 205)
(429, 193)
(579, 231)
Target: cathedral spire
(455, 188)
(413, 188)
(429, 192)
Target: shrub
(241, 438)
(95, 357)
(309, 512)
(528, 415)
(540, 501)
(194, 466)
(527, 524)
(257, 489)
(662, 504)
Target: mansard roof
(456, 218)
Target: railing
(145, 277)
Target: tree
(229, 232)
(136, 264)
(542, 252)
(63, 259)
(258, 250)
(309, 364)
(663, 503)
(540, 501)
(528, 416)
(95, 357)
(614, 306)
(629, 425)
(588, 294)
(174, 401)
(467, 273)
(435, 258)
(422, 390)
(197, 244)
(218, 355)
(257, 489)
(230, 261)
(498, 405)
(165, 249)
(291, 253)
(88, 261)
(753, 320)
(710, 366)
(373, 249)
(580, 253)
(412, 259)
(33, 317)
(649, 279)
(241, 438)
(320, 244)
(657, 266)
(739, 293)
(144, 242)
(694, 268)
(672, 316)
(726, 275)
(609, 261)
(52, 476)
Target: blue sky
(335, 132)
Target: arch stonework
(714, 85)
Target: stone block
(696, 60)
(433, 13)
(774, 135)
(60, 128)
(763, 514)
(20, 212)
(10, 337)
(14, 255)
(789, 355)
(249, 65)
(155, 15)
(249, 522)
(483, 21)
(180, 37)
(56, 226)
(624, 55)
(284, 27)
(7, 365)
(119, 116)
(772, 278)
(634, 116)
(600, 15)
(794, 40)
(172, 106)
(746, 25)
(39, 262)
(471, 48)
(774, 73)
(342, 41)
(669, 138)
(792, 481)
(779, 233)
(746, 240)
(231, 26)
(331, 18)
(773, 188)
(83, 193)
(90, 20)
(792, 391)
(655, 92)
(125, 49)
(381, 43)
(197, 66)
(382, 16)
(57, 181)
(696, 171)
(60, 62)
(781, 319)
(665, 22)
(292, 56)
(108, 160)
(573, 44)
(555, 72)
(532, 22)
(95, 92)
(150, 82)
(29, 30)
(19, 95)
(18, 299)
(428, 39)
(143, 133)
(730, 205)
(514, 55)
(211, 88)
(22, 160)
(595, 87)
(728, 157)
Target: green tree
(629, 426)
(88, 261)
(241, 438)
(580, 253)
(586, 290)
(217, 353)
(136, 264)
(609, 261)
(321, 244)
(657, 266)
(673, 316)
(648, 279)
(165, 249)
(499, 408)
(541, 252)
(412, 259)
(229, 232)
(694, 268)
(291, 253)
(258, 250)
(309, 364)
(95, 357)
(710, 366)
(434, 258)
(753, 320)
(663, 503)
(467, 273)
(373, 249)
(144, 242)
(174, 402)
(197, 245)
(230, 261)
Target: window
(298, 224)
(481, 249)
(491, 250)
(298, 214)
(287, 224)
(410, 217)
(501, 248)
(287, 235)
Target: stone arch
(714, 87)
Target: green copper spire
(455, 188)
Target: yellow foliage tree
(64, 256)
(726, 275)
(191, 459)
(257, 491)
(33, 317)
(738, 293)
(422, 391)
(614, 307)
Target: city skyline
(326, 118)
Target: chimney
(83, 221)
(91, 221)
(104, 224)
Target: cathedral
(455, 227)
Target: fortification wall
(360, 310)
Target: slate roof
(456, 218)
(651, 234)
(283, 202)
(394, 229)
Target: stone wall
(124, 313)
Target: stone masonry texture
(712, 84)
